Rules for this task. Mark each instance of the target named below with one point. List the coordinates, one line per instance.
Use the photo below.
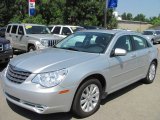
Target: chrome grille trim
(51, 43)
(16, 75)
(1, 47)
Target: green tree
(6, 11)
(124, 16)
(140, 17)
(63, 12)
(129, 16)
(155, 21)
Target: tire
(80, 103)
(151, 73)
(153, 42)
(31, 48)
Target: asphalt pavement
(136, 102)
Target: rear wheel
(87, 99)
(151, 73)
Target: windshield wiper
(71, 49)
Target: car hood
(50, 59)
(45, 36)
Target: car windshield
(158, 32)
(148, 33)
(91, 42)
(37, 29)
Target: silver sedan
(80, 71)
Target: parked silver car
(29, 37)
(83, 68)
(153, 35)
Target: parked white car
(63, 30)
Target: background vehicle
(6, 51)
(153, 35)
(63, 30)
(2, 31)
(29, 37)
(82, 69)
(92, 27)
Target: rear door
(143, 52)
(14, 36)
(122, 69)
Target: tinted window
(148, 33)
(14, 29)
(158, 32)
(139, 42)
(20, 30)
(66, 31)
(8, 29)
(124, 42)
(30, 29)
(56, 30)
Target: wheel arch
(98, 76)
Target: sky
(149, 8)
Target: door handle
(16, 36)
(9, 35)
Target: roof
(64, 25)
(109, 31)
(26, 24)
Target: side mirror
(119, 52)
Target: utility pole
(105, 13)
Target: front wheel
(87, 99)
(151, 73)
(31, 48)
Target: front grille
(51, 43)
(17, 75)
(1, 47)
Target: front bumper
(5, 56)
(36, 98)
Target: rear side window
(139, 42)
(56, 30)
(8, 28)
(20, 30)
(14, 29)
(66, 31)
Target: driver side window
(124, 42)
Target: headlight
(50, 79)
(7, 46)
(44, 42)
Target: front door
(122, 69)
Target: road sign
(31, 7)
(112, 3)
